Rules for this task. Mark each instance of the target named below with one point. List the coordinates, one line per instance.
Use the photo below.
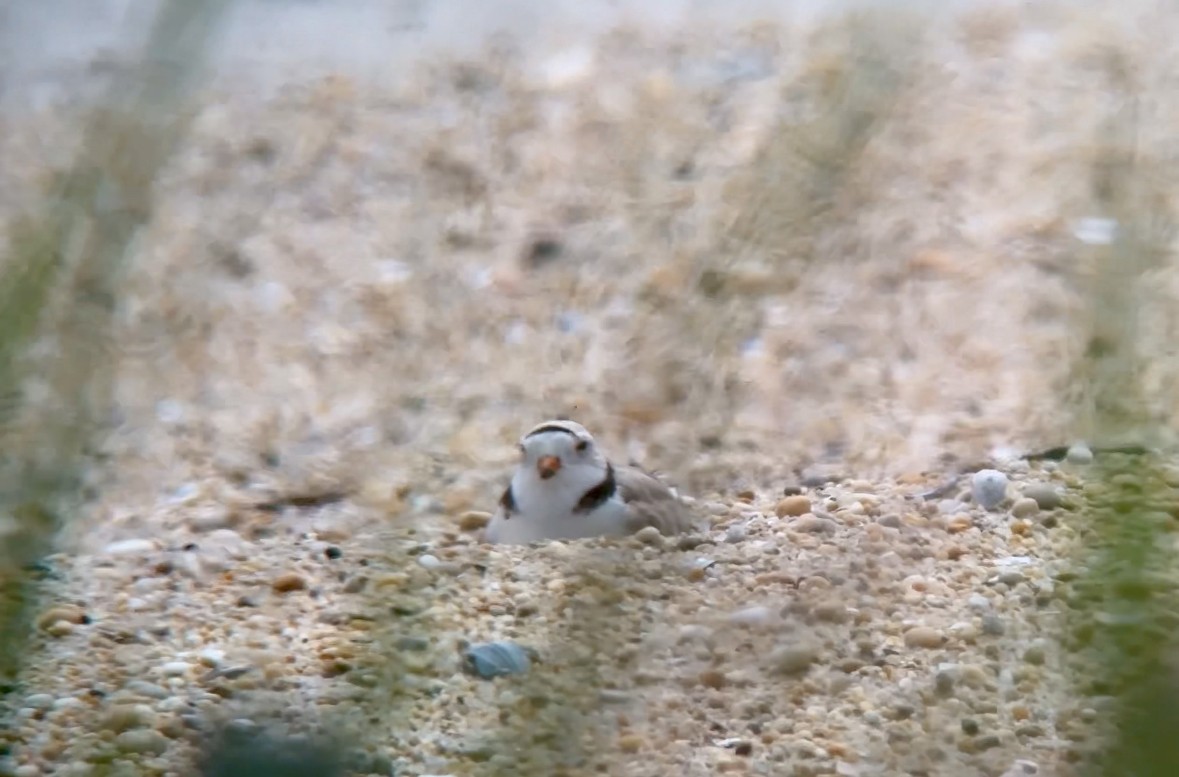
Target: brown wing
(652, 503)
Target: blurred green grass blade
(61, 283)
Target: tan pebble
(288, 582)
(697, 574)
(713, 678)
(774, 578)
(649, 535)
(124, 717)
(795, 658)
(814, 583)
(64, 613)
(832, 612)
(1021, 528)
(793, 506)
(973, 676)
(813, 524)
(474, 520)
(60, 629)
(333, 534)
(955, 552)
(924, 637)
(630, 743)
(959, 523)
(730, 765)
(1025, 507)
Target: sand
(850, 257)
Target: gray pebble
(988, 488)
(978, 603)
(242, 727)
(891, 521)
(1079, 453)
(429, 561)
(1011, 577)
(1046, 495)
(40, 701)
(943, 681)
(143, 741)
(993, 625)
(735, 533)
(496, 659)
(144, 688)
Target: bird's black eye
(582, 446)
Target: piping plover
(565, 488)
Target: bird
(565, 488)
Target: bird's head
(561, 454)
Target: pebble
(210, 518)
(125, 717)
(793, 506)
(1035, 654)
(1045, 495)
(794, 658)
(1079, 453)
(175, 668)
(993, 625)
(40, 701)
(924, 637)
(496, 659)
(128, 547)
(751, 616)
(1025, 507)
(55, 616)
(429, 561)
(142, 741)
(891, 521)
(978, 603)
(149, 690)
(944, 680)
(474, 520)
(649, 535)
(988, 487)
(1022, 768)
(713, 678)
(288, 582)
(813, 524)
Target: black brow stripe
(550, 428)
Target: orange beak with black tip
(548, 466)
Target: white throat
(557, 497)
